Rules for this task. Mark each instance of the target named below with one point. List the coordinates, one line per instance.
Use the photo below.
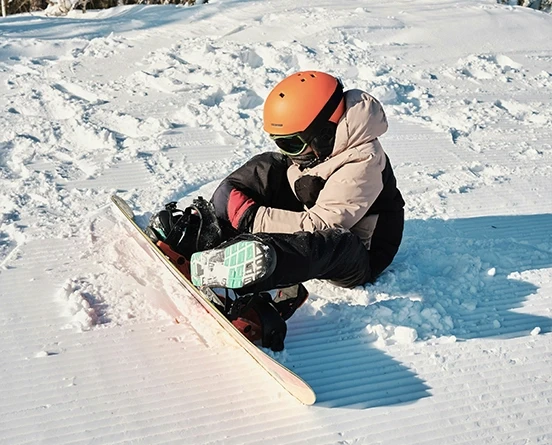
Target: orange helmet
(303, 101)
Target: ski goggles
(291, 144)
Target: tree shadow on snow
(107, 22)
(462, 278)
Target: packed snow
(452, 344)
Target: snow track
(452, 345)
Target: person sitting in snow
(325, 206)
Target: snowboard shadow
(453, 279)
(343, 367)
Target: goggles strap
(325, 114)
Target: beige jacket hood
(352, 175)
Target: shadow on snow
(461, 277)
(106, 22)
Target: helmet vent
(282, 95)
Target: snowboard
(205, 296)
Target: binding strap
(255, 312)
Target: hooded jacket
(348, 189)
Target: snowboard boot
(289, 299)
(235, 264)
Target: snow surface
(452, 345)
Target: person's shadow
(457, 279)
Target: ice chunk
(405, 335)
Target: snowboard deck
(204, 295)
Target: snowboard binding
(257, 318)
(260, 317)
(186, 231)
(181, 233)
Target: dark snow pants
(332, 254)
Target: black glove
(307, 189)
